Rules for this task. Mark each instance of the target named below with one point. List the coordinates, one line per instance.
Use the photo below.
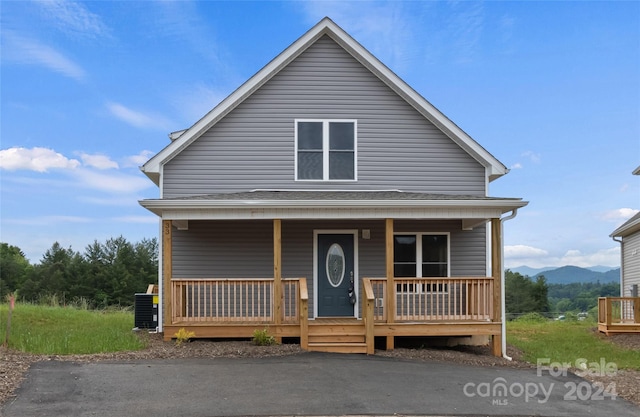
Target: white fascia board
(192, 209)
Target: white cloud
(523, 251)
(35, 159)
(139, 159)
(521, 255)
(619, 215)
(136, 118)
(73, 18)
(606, 257)
(114, 182)
(532, 156)
(27, 51)
(98, 161)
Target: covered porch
(387, 306)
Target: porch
(386, 307)
(619, 315)
(227, 308)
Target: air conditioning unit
(146, 311)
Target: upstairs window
(326, 150)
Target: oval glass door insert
(335, 265)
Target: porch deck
(619, 315)
(227, 308)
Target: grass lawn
(67, 330)
(568, 341)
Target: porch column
(391, 288)
(496, 273)
(167, 265)
(277, 275)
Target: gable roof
(182, 139)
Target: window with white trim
(421, 255)
(326, 150)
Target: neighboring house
(623, 314)
(326, 200)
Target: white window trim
(325, 149)
(419, 235)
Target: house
(326, 200)
(623, 314)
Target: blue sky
(90, 90)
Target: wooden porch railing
(618, 310)
(248, 300)
(251, 300)
(435, 299)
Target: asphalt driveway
(304, 384)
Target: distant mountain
(570, 274)
(602, 268)
(528, 271)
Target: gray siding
(229, 249)
(244, 249)
(253, 146)
(630, 263)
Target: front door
(335, 275)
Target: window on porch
(421, 255)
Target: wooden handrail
(368, 316)
(303, 302)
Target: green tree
(14, 268)
(522, 295)
(57, 273)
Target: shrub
(183, 335)
(532, 318)
(263, 338)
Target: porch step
(337, 335)
(338, 347)
(336, 338)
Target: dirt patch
(14, 365)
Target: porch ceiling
(272, 204)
